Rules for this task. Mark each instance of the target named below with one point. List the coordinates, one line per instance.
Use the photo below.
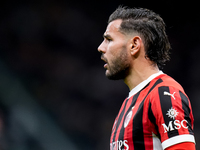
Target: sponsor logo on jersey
(119, 145)
(172, 113)
(128, 118)
(176, 124)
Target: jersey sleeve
(183, 146)
(173, 118)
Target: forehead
(113, 27)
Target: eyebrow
(107, 36)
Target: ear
(136, 43)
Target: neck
(139, 74)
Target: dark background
(53, 91)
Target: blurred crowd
(50, 47)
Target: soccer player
(157, 114)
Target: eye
(108, 39)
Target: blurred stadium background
(53, 92)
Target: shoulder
(170, 110)
(166, 87)
(169, 81)
(167, 93)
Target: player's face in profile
(114, 52)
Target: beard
(118, 68)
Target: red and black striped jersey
(156, 115)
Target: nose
(101, 48)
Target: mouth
(105, 66)
(105, 60)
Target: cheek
(111, 54)
(113, 49)
(118, 56)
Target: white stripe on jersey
(143, 84)
(178, 139)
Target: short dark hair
(150, 26)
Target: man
(157, 114)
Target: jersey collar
(143, 84)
